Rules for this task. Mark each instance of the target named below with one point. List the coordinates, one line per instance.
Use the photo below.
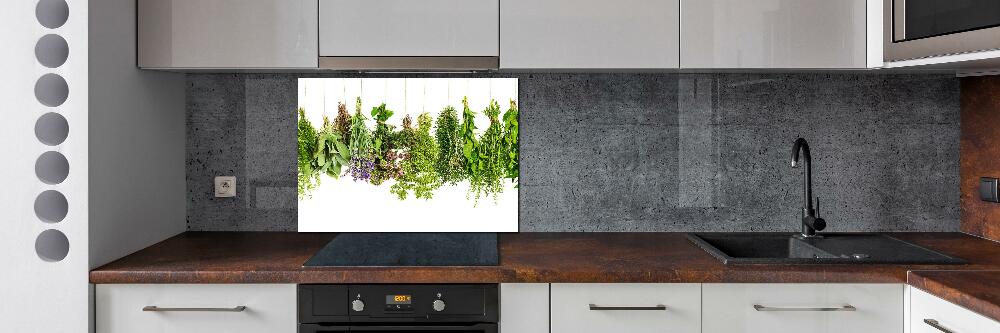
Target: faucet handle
(817, 206)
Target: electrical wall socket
(988, 189)
(225, 187)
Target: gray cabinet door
(228, 33)
(773, 34)
(589, 34)
(409, 28)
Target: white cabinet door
(269, 308)
(583, 34)
(927, 310)
(409, 28)
(625, 307)
(227, 33)
(524, 308)
(773, 34)
(777, 308)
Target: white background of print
(343, 205)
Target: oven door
(473, 328)
(916, 29)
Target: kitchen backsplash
(981, 144)
(639, 152)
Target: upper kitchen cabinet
(409, 34)
(589, 34)
(780, 34)
(207, 34)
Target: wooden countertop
(978, 291)
(277, 257)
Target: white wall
(137, 187)
(38, 295)
(126, 128)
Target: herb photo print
(408, 155)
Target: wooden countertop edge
(397, 275)
(950, 293)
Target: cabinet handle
(594, 307)
(848, 307)
(154, 308)
(935, 324)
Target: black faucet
(810, 221)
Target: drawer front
(946, 315)
(269, 308)
(571, 310)
(774, 308)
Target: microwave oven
(915, 29)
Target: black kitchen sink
(836, 248)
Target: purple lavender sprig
(361, 168)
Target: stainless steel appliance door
(926, 28)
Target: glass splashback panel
(408, 155)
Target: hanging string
(406, 98)
(423, 106)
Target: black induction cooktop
(408, 249)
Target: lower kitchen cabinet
(817, 308)
(930, 314)
(625, 307)
(196, 308)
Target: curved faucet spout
(807, 188)
(800, 145)
(810, 222)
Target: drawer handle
(848, 307)
(935, 324)
(154, 308)
(658, 307)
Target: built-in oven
(928, 28)
(386, 308)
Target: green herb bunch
(449, 140)
(307, 177)
(362, 153)
(419, 173)
(343, 123)
(383, 143)
(331, 152)
(489, 157)
(511, 159)
(470, 160)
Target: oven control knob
(358, 305)
(438, 305)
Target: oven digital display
(398, 299)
